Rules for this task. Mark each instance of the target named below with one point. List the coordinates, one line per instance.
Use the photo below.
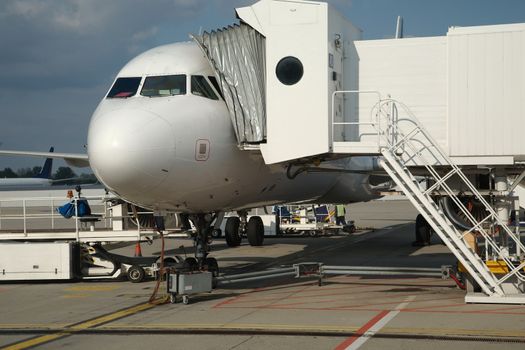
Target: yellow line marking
(112, 317)
(79, 327)
(34, 342)
(73, 296)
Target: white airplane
(42, 179)
(162, 139)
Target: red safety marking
(362, 330)
(320, 291)
(227, 301)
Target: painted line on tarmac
(92, 288)
(372, 327)
(75, 328)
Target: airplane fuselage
(177, 151)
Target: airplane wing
(74, 159)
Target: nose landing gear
(202, 242)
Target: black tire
(313, 233)
(136, 274)
(423, 230)
(231, 231)
(169, 262)
(255, 231)
(173, 298)
(216, 233)
(190, 264)
(213, 266)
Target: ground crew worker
(340, 212)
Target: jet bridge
(292, 70)
(296, 51)
(446, 108)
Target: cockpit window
(201, 87)
(216, 86)
(165, 85)
(124, 87)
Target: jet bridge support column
(502, 204)
(501, 185)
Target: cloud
(57, 44)
(28, 9)
(58, 59)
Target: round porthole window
(289, 70)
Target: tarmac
(346, 312)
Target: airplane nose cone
(130, 151)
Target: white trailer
(38, 261)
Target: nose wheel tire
(255, 231)
(190, 264)
(231, 232)
(213, 266)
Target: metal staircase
(405, 144)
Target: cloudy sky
(58, 57)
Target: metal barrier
(32, 209)
(319, 270)
(38, 218)
(374, 118)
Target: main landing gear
(423, 232)
(237, 227)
